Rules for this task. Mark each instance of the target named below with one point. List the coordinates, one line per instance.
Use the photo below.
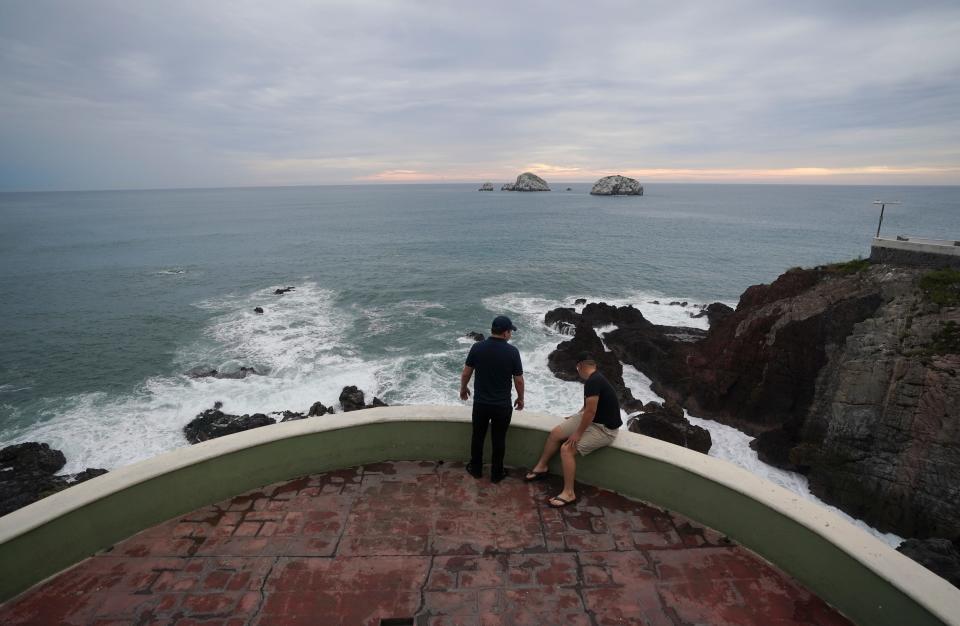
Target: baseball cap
(502, 323)
(585, 356)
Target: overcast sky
(129, 94)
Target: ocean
(107, 298)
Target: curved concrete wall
(861, 576)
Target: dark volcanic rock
(563, 360)
(563, 320)
(940, 556)
(757, 368)
(317, 408)
(715, 313)
(243, 372)
(282, 290)
(776, 447)
(835, 374)
(258, 309)
(31, 457)
(28, 473)
(351, 399)
(377, 402)
(201, 371)
(580, 301)
(86, 475)
(475, 335)
(291, 416)
(669, 424)
(205, 371)
(214, 423)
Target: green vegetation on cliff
(942, 287)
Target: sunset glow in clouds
(111, 94)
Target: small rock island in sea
(616, 186)
(528, 181)
(486, 187)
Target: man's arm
(589, 410)
(465, 377)
(518, 383)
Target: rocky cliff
(849, 373)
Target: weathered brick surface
(422, 539)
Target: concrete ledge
(917, 252)
(861, 576)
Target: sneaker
(473, 471)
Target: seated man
(595, 426)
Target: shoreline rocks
(352, 399)
(486, 187)
(668, 423)
(213, 423)
(617, 185)
(28, 472)
(205, 371)
(838, 373)
(528, 181)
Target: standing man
(496, 362)
(595, 426)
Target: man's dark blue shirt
(495, 362)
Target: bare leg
(568, 455)
(550, 447)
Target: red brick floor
(423, 541)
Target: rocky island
(616, 186)
(528, 181)
(486, 187)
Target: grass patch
(849, 267)
(946, 340)
(942, 287)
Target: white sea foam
(10, 388)
(300, 343)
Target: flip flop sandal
(536, 476)
(559, 506)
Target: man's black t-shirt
(495, 363)
(608, 409)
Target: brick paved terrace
(422, 543)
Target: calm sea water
(106, 298)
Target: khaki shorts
(596, 436)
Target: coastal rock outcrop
(318, 408)
(847, 373)
(668, 423)
(940, 556)
(352, 399)
(282, 290)
(258, 310)
(563, 360)
(474, 335)
(616, 186)
(715, 313)
(486, 187)
(28, 472)
(230, 372)
(214, 423)
(528, 181)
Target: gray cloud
(105, 94)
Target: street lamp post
(883, 204)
